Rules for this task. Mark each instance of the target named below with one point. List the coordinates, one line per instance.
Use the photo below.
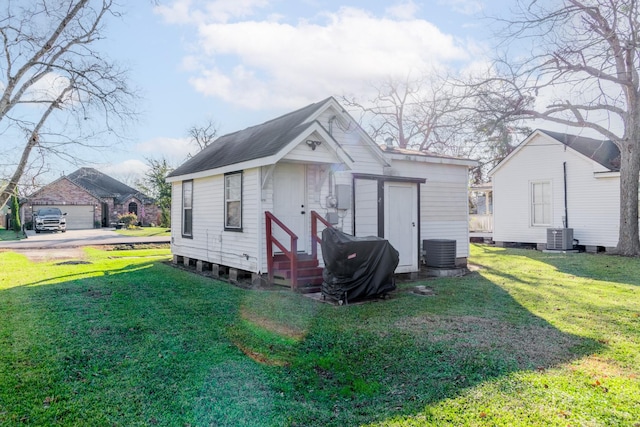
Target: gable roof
(604, 152)
(103, 186)
(242, 146)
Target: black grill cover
(356, 267)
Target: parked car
(49, 219)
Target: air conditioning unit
(560, 239)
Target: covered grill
(356, 267)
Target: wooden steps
(309, 273)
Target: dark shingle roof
(252, 143)
(102, 185)
(604, 152)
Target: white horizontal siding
(349, 137)
(436, 172)
(444, 201)
(592, 204)
(366, 207)
(444, 214)
(303, 153)
(210, 241)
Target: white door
(401, 223)
(289, 203)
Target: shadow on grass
(368, 363)
(84, 275)
(600, 267)
(148, 344)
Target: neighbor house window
(187, 208)
(233, 201)
(133, 208)
(541, 203)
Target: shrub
(165, 217)
(15, 214)
(129, 220)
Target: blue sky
(241, 62)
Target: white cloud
(175, 150)
(404, 11)
(128, 171)
(189, 11)
(465, 7)
(178, 12)
(285, 65)
(48, 88)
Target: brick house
(91, 199)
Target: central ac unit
(560, 239)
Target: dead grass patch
(530, 345)
(599, 367)
(44, 255)
(259, 357)
(272, 326)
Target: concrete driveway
(78, 238)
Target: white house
(253, 199)
(553, 181)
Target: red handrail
(291, 255)
(315, 217)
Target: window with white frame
(187, 208)
(541, 203)
(233, 201)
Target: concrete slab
(79, 238)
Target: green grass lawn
(6, 235)
(121, 338)
(145, 231)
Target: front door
(105, 215)
(289, 202)
(401, 218)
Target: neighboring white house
(554, 181)
(254, 193)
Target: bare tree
(203, 135)
(580, 70)
(435, 113)
(56, 89)
(422, 113)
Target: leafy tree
(56, 89)
(15, 214)
(155, 184)
(580, 69)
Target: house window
(187, 208)
(133, 208)
(541, 203)
(233, 201)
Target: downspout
(566, 209)
(262, 228)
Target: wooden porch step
(305, 275)
(305, 263)
(309, 274)
(302, 272)
(305, 285)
